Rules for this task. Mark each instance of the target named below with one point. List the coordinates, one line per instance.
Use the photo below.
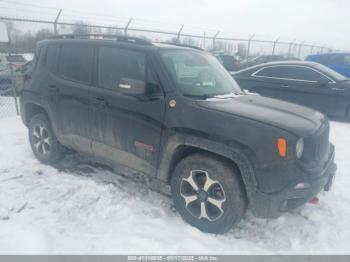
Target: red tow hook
(314, 201)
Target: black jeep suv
(175, 114)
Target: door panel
(72, 105)
(310, 95)
(298, 84)
(70, 95)
(124, 129)
(265, 87)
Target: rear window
(16, 59)
(76, 62)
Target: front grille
(317, 146)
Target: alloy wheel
(203, 196)
(41, 140)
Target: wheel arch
(241, 157)
(30, 110)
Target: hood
(299, 120)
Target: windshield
(199, 74)
(333, 74)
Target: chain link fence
(24, 33)
(10, 83)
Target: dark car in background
(305, 83)
(265, 59)
(230, 62)
(339, 62)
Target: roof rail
(120, 38)
(189, 46)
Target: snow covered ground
(89, 209)
(7, 107)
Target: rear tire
(43, 141)
(208, 193)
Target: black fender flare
(242, 156)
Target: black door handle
(100, 101)
(54, 88)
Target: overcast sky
(314, 21)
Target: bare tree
(81, 28)
(43, 34)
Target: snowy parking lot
(85, 208)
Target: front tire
(43, 141)
(208, 193)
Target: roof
(117, 39)
(328, 54)
(281, 63)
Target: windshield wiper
(217, 96)
(228, 95)
(206, 96)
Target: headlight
(299, 148)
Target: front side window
(290, 72)
(116, 63)
(76, 62)
(198, 73)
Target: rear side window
(76, 62)
(115, 63)
(52, 57)
(289, 72)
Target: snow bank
(91, 210)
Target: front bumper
(272, 205)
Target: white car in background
(16, 61)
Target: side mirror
(132, 87)
(323, 81)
